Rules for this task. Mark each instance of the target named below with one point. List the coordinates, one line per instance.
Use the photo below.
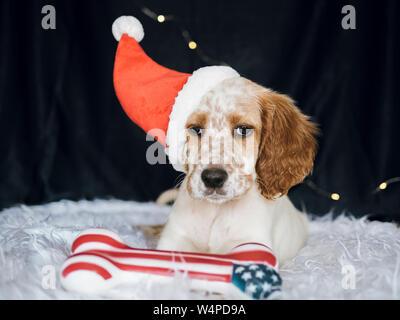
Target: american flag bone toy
(101, 261)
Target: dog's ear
(287, 145)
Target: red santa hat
(155, 97)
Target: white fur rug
(343, 259)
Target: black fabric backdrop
(63, 134)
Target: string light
(332, 195)
(385, 184)
(160, 18)
(336, 196)
(194, 46)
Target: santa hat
(155, 97)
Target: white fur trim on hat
(129, 25)
(188, 99)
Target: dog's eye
(196, 131)
(242, 131)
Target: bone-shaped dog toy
(101, 261)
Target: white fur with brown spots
(251, 205)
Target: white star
(253, 267)
(239, 270)
(251, 288)
(274, 278)
(266, 286)
(260, 274)
(246, 276)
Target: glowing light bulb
(161, 18)
(192, 45)
(383, 186)
(335, 196)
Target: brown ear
(287, 145)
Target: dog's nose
(214, 178)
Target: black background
(63, 134)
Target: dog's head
(241, 134)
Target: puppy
(246, 146)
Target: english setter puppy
(246, 146)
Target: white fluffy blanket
(344, 258)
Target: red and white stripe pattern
(100, 260)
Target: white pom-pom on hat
(129, 25)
